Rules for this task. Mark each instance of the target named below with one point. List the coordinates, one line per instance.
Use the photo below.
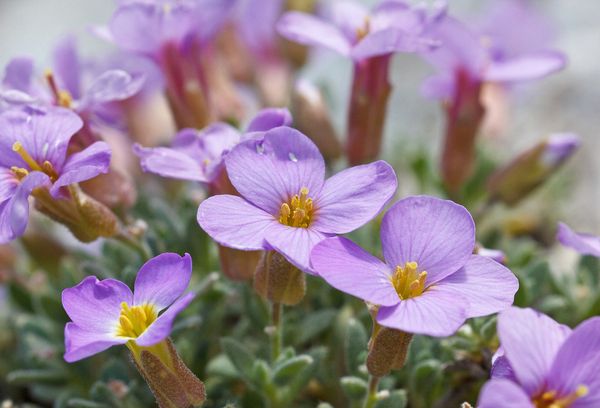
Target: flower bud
(532, 168)
(278, 280)
(388, 349)
(312, 117)
(238, 265)
(171, 382)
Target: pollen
(134, 320)
(551, 399)
(407, 281)
(20, 150)
(298, 212)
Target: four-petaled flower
(34, 159)
(286, 204)
(543, 364)
(430, 281)
(105, 312)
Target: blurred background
(567, 101)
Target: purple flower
(198, 155)
(34, 160)
(105, 312)
(585, 244)
(286, 204)
(354, 32)
(430, 281)
(545, 363)
(478, 56)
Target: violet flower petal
(18, 74)
(270, 171)
(270, 118)
(530, 341)
(503, 393)
(295, 244)
(585, 244)
(81, 343)
(168, 162)
(488, 286)
(501, 368)
(525, 68)
(162, 279)
(433, 313)
(353, 197)
(67, 66)
(349, 268)
(113, 85)
(309, 30)
(96, 304)
(389, 41)
(439, 235)
(161, 328)
(577, 363)
(349, 17)
(234, 222)
(14, 211)
(84, 165)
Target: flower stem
(276, 340)
(372, 393)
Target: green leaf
(240, 357)
(221, 366)
(354, 388)
(355, 345)
(38, 375)
(396, 399)
(314, 324)
(83, 403)
(261, 375)
(291, 368)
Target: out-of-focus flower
(106, 313)
(467, 60)
(369, 39)
(495, 254)
(430, 282)
(545, 364)
(34, 161)
(530, 169)
(198, 155)
(176, 35)
(285, 204)
(585, 244)
(312, 117)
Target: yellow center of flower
(298, 211)
(407, 281)
(20, 172)
(134, 320)
(550, 399)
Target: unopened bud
(169, 379)
(388, 349)
(238, 265)
(532, 168)
(278, 280)
(112, 189)
(312, 117)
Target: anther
(20, 150)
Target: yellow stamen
(48, 168)
(64, 99)
(20, 150)
(20, 172)
(362, 32)
(298, 212)
(407, 282)
(548, 399)
(134, 320)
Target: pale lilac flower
(198, 155)
(585, 244)
(34, 159)
(430, 282)
(544, 364)
(286, 204)
(105, 312)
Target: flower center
(362, 31)
(134, 320)
(407, 281)
(550, 399)
(20, 172)
(298, 211)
